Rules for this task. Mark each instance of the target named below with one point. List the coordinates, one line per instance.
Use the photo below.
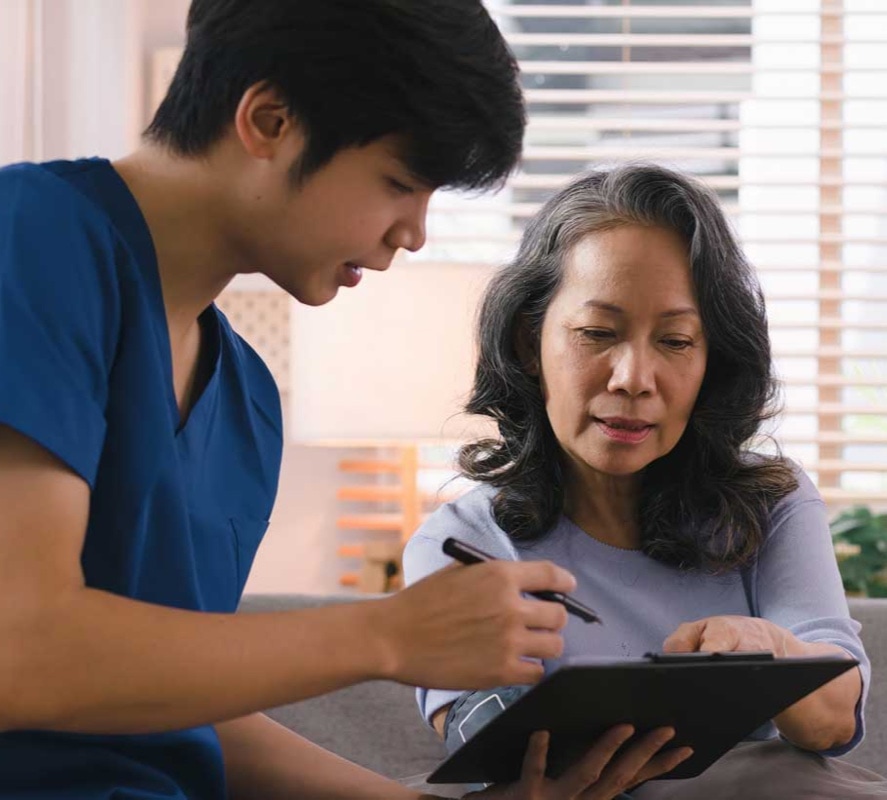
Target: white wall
(298, 553)
(90, 99)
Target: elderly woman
(625, 357)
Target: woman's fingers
(623, 771)
(600, 774)
(662, 763)
(535, 759)
(586, 772)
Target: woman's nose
(633, 371)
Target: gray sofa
(377, 724)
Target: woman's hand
(599, 775)
(822, 720)
(729, 633)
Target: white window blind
(781, 106)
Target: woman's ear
(526, 345)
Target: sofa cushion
(375, 724)
(872, 753)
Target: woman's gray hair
(704, 504)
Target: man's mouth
(353, 273)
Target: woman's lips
(626, 432)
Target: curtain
(18, 77)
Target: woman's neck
(605, 507)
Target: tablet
(713, 701)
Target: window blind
(781, 107)
(778, 105)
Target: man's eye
(398, 186)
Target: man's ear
(527, 347)
(263, 122)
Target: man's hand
(599, 775)
(472, 627)
(727, 634)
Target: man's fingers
(544, 614)
(521, 673)
(541, 644)
(534, 576)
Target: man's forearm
(92, 662)
(266, 761)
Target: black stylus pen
(468, 554)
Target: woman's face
(622, 352)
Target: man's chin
(314, 297)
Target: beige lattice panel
(263, 319)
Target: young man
(140, 438)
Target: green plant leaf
(864, 572)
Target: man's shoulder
(47, 182)
(37, 198)
(54, 240)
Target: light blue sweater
(794, 583)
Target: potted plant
(860, 538)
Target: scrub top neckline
(127, 216)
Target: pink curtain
(17, 79)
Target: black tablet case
(713, 702)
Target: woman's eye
(596, 334)
(677, 344)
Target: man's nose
(409, 231)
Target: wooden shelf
(371, 493)
(370, 467)
(390, 493)
(379, 551)
(371, 522)
(381, 560)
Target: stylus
(469, 554)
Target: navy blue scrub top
(176, 512)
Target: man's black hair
(436, 72)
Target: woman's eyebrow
(614, 309)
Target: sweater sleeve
(796, 584)
(470, 519)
